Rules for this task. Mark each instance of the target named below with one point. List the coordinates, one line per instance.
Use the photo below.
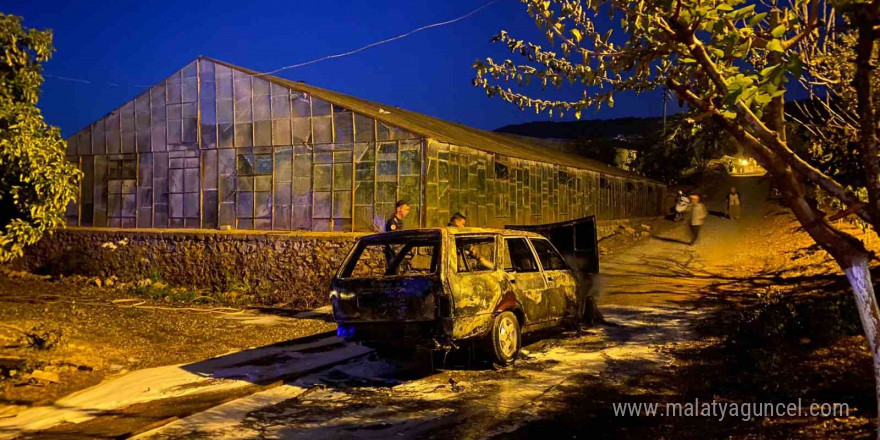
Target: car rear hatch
(389, 278)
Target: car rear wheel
(505, 338)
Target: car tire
(505, 339)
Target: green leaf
(775, 46)
(743, 12)
(762, 99)
(768, 70)
(757, 18)
(688, 60)
(731, 97)
(778, 31)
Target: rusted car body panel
(471, 278)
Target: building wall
(495, 190)
(211, 147)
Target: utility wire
(379, 43)
(316, 60)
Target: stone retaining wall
(293, 268)
(607, 228)
(275, 268)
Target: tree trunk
(852, 257)
(859, 278)
(849, 253)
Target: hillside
(632, 133)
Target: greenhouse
(216, 146)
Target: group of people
(697, 211)
(458, 220)
(401, 210)
(691, 205)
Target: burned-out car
(447, 286)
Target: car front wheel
(505, 338)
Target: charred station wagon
(445, 286)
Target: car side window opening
(475, 254)
(519, 256)
(549, 256)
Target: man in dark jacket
(395, 223)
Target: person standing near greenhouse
(395, 223)
(458, 220)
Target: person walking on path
(733, 204)
(698, 216)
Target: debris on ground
(41, 338)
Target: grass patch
(160, 291)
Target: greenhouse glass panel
(343, 125)
(281, 131)
(244, 134)
(84, 145)
(172, 89)
(365, 128)
(226, 136)
(262, 106)
(127, 128)
(98, 140)
(263, 133)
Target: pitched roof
(447, 131)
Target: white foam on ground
(218, 374)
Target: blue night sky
(134, 43)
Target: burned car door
(476, 282)
(576, 241)
(526, 279)
(561, 292)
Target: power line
(378, 43)
(316, 60)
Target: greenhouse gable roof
(446, 131)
